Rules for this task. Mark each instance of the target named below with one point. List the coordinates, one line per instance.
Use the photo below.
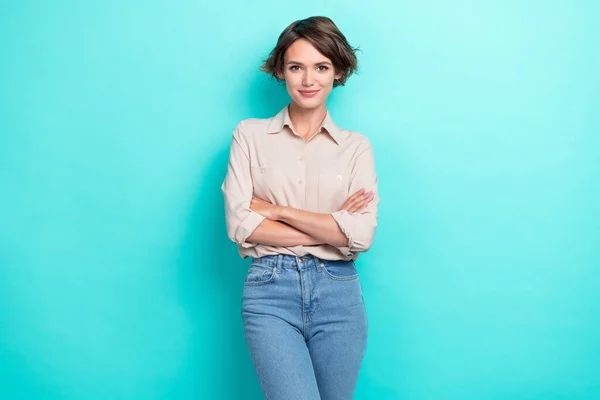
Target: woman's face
(308, 74)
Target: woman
(301, 200)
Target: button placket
(300, 159)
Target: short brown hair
(322, 33)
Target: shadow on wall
(211, 275)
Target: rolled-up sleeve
(237, 190)
(359, 227)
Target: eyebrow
(319, 63)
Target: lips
(308, 93)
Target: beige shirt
(269, 160)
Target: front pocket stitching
(340, 278)
(255, 283)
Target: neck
(306, 121)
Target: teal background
(117, 280)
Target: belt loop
(280, 261)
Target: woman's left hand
(270, 211)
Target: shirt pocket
(333, 188)
(267, 181)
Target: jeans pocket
(340, 270)
(259, 274)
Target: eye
(294, 68)
(323, 68)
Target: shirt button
(299, 158)
(300, 182)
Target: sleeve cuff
(345, 252)
(248, 225)
(346, 223)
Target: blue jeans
(305, 323)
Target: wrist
(281, 213)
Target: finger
(354, 199)
(349, 203)
(353, 203)
(358, 200)
(356, 207)
(359, 206)
(357, 194)
(365, 205)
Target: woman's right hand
(358, 201)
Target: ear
(279, 75)
(339, 75)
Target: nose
(308, 78)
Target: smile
(309, 93)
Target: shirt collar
(283, 118)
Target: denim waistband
(292, 261)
